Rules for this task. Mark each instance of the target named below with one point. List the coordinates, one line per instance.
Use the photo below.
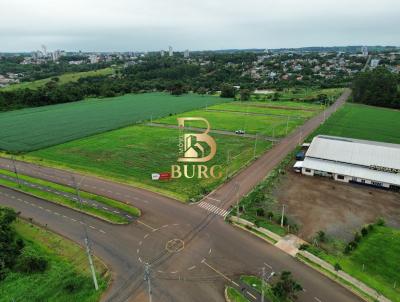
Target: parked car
(240, 131)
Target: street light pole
(16, 172)
(255, 146)
(148, 279)
(283, 214)
(262, 284)
(88, 250)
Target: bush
(30, 262)
(303, 247)
(260, 212)
(357, 237)
(321, 237)
(72, 284)
(270, 215)
(380, 221)
(337, 267)
(279, 218)
(364, 231)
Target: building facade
(353, 161)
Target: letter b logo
(193, 143)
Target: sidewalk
(290, 244)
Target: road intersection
(192, 252)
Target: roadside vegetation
(372, 256)
(70, 201)
(37, 265)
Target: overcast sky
(124, 25)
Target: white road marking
(251, 295)
(267, 265)
(146, 225)
(101, 231)
(317, 299)
(192, 268)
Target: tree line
(378, 87)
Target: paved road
(193, 253)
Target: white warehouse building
(353, 160)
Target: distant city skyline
(153, 25)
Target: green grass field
(131, 154)
(268, 108)
(67, 264)
(379, 254)
(363, 122)
(234, 295)
(35, 128)
(64, 78)
(253, 124)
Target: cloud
(155, 24)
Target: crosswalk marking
(211, 208)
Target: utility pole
(283, 214)
(262, 284)
(227, 163)
(88, 250)
(255, 146)
(16, 172)
(287, 125)
(148, 279)
(96, 286)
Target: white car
(240, 131)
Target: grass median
(111, 217)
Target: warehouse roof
(356, 152)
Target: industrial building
(353, 161)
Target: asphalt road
(193, 253)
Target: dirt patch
(339, 209)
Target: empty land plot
(131, 154)
(35, 128)
(308, 93)
(64, 78)
(263, 108)
(271, 125)
(363, 122)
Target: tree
(244, 95)
(286, 288)
(10, 245)
(228, 91)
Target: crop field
(67, 267)
(35, 128)
(64, 78)
(268, 125)
(269, 108)
(363, 122)
(131, 154)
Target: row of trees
(378, 87)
